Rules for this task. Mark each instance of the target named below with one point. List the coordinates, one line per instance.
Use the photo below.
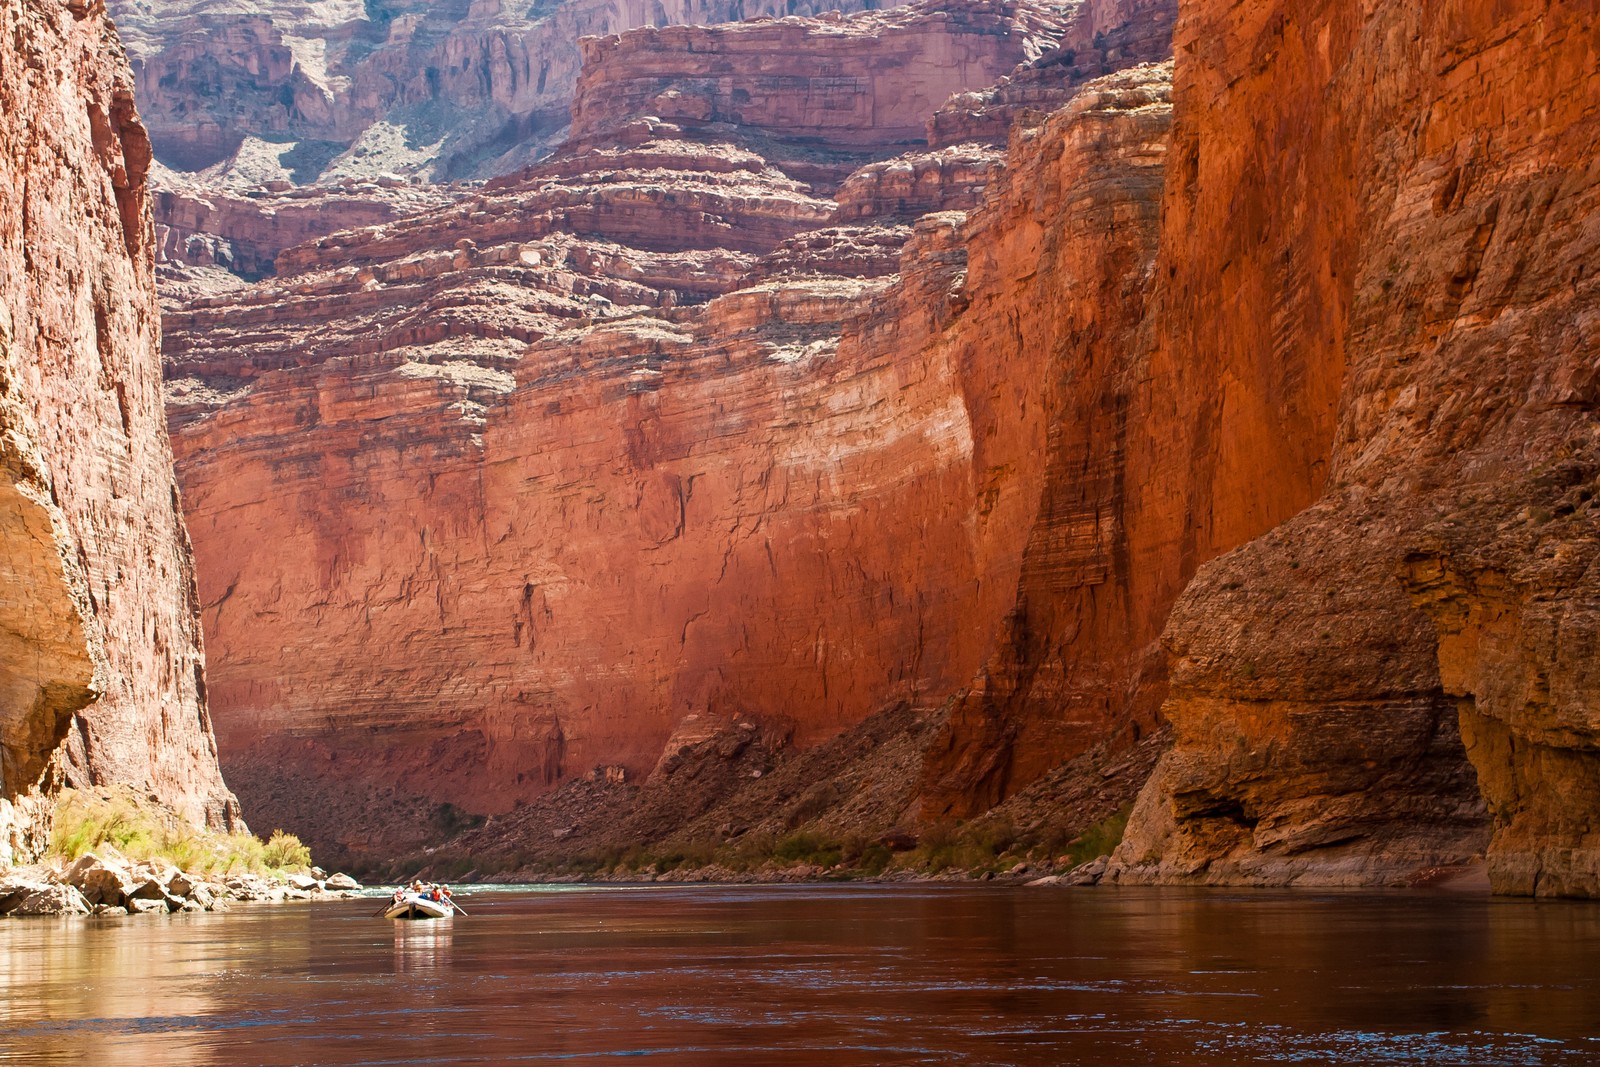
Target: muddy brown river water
(829, 975)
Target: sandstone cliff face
(496, 567)
(1411, 237)
(875, 81)
(300, 90)
(241, 232)
(1060, 258)
(101, 672)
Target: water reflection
(422, 945)
(840, 975)
(86, 991)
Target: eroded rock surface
(295, 91)
(101, 671)
(746, 409)
(1421, 255)
(621, 439)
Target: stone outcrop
(1060, 259)
(101, 672)
(817, 91)
(297, 91)
(1412, 240)
(1099, 38)
(241, 231)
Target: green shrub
(143, 830)
(874, 859)
(1101, 839)
(284, 850)
(809, 848)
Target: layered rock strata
(1100, 37)
(241, 232)
(1413, 234)
(1061, 258)
(301, 91)
(101, 671)
(816, 90)
(494, 567)
(1327, 426)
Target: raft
(417, 906)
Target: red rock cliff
(101, 671)
(1379, 254)
(1324, 424)
(494, 568)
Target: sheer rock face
(337, 88)
(594, 449)
(1400, 306)
(1101, 37)
(101, 672)
(1060, 259)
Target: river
(829, 975)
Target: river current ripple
(830, 975)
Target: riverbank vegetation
(984, 848)
(145, 831)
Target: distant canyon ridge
(326, 89)
(1054, 378)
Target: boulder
(248, 887)
(100, 880)
(146, 906)
(303, 882)
(17, 886)
(52, 899)
(108, 910)
(1087, 873)
(152, 889)
(342, 882)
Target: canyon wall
(437, 558)
(101, 669)
(1262, 413)
(1408, 249)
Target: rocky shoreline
(104, 883)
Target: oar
(456, 906)
(391, 902)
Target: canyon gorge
(609, 425)
(101, 666)
(1043, 405)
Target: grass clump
(146, 831)
(813, 849)
(1101, 839)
